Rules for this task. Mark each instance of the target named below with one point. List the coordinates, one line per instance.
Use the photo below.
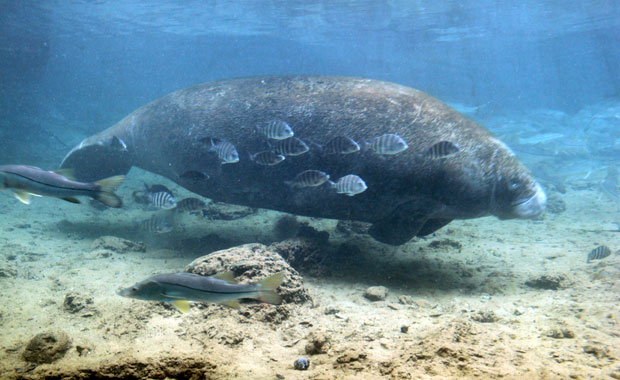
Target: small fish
(349, 185)
(226, 152)
(28, 181)
(156, 224)
(163, 199)
(118, 144)
(341, 145)
(267, 158)
(190, 204)
(442, 149)
(181, 288)
(309, 178)
(388, 144)
(276, 130)
(291, 147)
(598, 253)
(195, 176)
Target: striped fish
(349, 185)
(226, 151)
(291, 147)
(309, 178)
(156, 224)
(276, 130)
(267, 158)
(388, 144)
(341, 145)
(598, 253)
(442, 149)
(163, 199)
(190, 204)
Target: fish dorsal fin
(67, 173)
(226, 276)
(23, 196)
(234, 304)
(181, 305)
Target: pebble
(376, 293)
(301, 364)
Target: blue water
(73, 68)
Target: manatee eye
(514, 184)
(135, 289)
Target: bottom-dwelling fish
(181, 288)
(28, 181)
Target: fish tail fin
(268, 287)
(331, 184)
(105, 193)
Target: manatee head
(514, 192)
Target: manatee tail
(105, 192)
(268, 287)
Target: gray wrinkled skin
(409, 194)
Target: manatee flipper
(408, 220)
(92, 161)
(432, 225)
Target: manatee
(409, 194)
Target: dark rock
(117, 245)
(47, 347)
(301, 364)
(349, 227)
(286, 227)
(376, 293)
(547, 282)
(251, 263)
(76, 303)
(404, 329)
(302, 254)
(318, 343)
(560, 334)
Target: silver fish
(157, 224)
(598, 253)
(226, 151)
(291, 147)
(309, 178)
(190, 204)
(181, 288)
(163, 199)
(276, 130)
(267, 158)
(341, 145)
(388, 144)
(349, 185)
(442, 149)
(28, 181)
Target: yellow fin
(268, 287)
(67, 173)
(23, 197)
(232, 304)
(181, 305)
(110, 184)
(226, 276)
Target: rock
(302, 253)
(251, 263)
(318, 343)
(485, 317)
(446, 243)
(117, 245)
(76, 303)
(376, 293)
(406, 300)
(555, 203)
(548, 282)
(7, 271)
(560, 333)
(404, 329)
(100, 254)
(47, 347)
(349, 227)
(598, 352)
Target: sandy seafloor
(469, 313)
